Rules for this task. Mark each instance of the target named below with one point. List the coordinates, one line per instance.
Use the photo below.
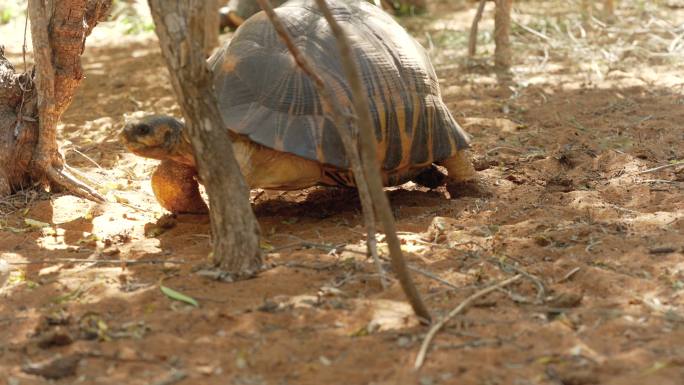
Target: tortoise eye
(143, 129)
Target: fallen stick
(422, 353)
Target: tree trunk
(32, 104)
(587, 10)
(213, 22)
(472, 38)
(609, 10)
(180, 26)
(18, 130)
(503, 53)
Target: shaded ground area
(579, 155)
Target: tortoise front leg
(176, 188)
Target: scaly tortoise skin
(281, 135)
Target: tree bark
(18, 130)
(180, 26)
(472, 39)
(503, 54)
(213, 22)
(587, 10)
(609, 10)
(32, 104)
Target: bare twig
(663, 167)
(341, 120)
(532, 31)
(434, 276)
(422, 353)
(569, 275)
(506, 148)
(507, 267)
(472, 39)
(313, 245)
(173, 377)
(370, 163)
(86, 157)
(660, 181)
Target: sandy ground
(567, 154)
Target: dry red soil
(569, 199)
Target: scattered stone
(54, 368)
(565, 300)
(58, 336)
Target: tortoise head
(157, 137)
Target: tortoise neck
(183, 151)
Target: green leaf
(178, 296)
(35, 224)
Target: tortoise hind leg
(460, 167)
(463, 181)
(176, 188)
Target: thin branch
(663, 167)
(370, 163)
(507, 267)
(472, 39)
(173, 377)
(569, 275)
(434, 276)
(532, 31)
(341, 121)
(422, 353)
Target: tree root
(65, 180)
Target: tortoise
(282, 138)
